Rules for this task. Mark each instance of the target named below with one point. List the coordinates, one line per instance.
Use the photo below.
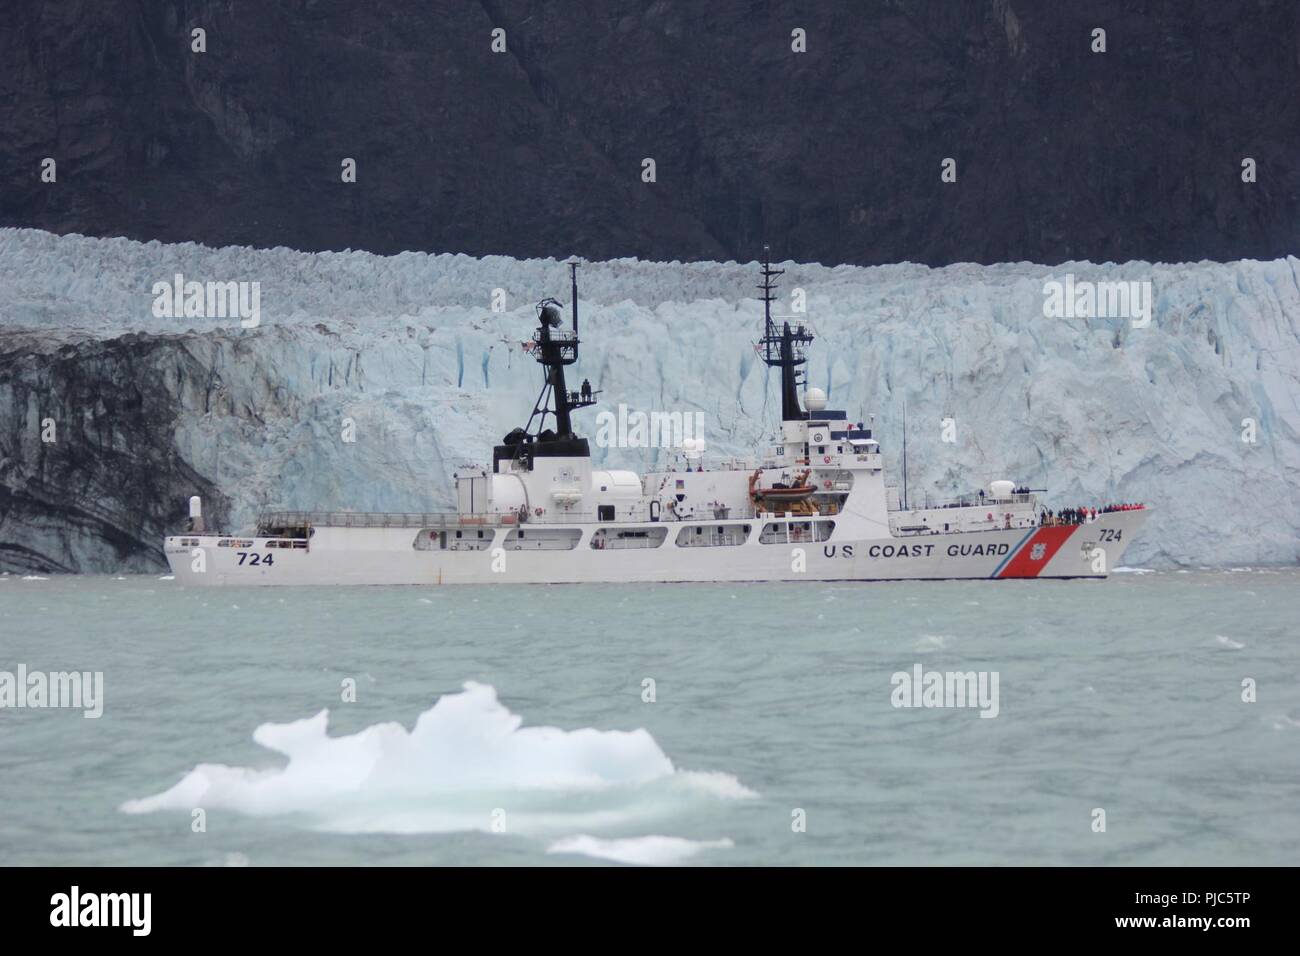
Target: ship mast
(556, 348)
(785, 348)
(903, 504)
(553, 347)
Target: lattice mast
(785, 348)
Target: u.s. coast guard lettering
(921, 550)
(814, 504)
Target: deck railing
(970, 501)
(381, 519)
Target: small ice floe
(643, 851)
(1286, 722)
(34, 577)
(168, 577)
(425, 601)
(1228, 642)
(1124, 570)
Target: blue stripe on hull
(998, 570)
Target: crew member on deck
(586, 390)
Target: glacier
(423, 355)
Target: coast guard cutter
(815, 506)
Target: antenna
(904, 452)
(768, 288)
(573, 274)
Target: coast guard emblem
(1037, 551)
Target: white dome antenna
(693, 448)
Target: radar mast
(785, 348)
(554, 347)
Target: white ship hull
(387, 556)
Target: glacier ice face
(410, 350)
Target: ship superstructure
(813, 506)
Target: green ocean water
(772, 737)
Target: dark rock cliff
(833, 155)
(90, 478)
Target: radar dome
(815, 399)
(1002, 488)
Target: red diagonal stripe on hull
(1024, 564)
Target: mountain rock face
(370, 379)
(88, 467)
(832, 155)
